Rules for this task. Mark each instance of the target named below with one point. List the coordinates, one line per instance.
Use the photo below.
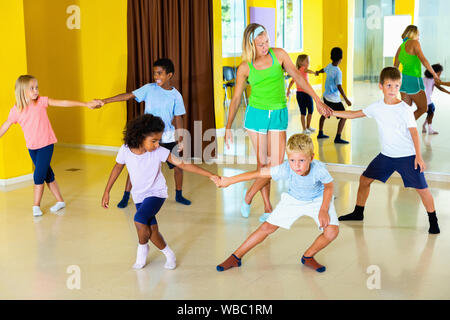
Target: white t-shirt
(145, 172)
(429, 86)
(393, 121)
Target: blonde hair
(410, 32)
(248, 45)
(300, 59)
(300, 143)
(20, 89)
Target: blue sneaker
(245, 208)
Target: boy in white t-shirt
(400, 143)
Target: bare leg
(302, 120)
(156, 237)
(54, 188)
(406, 98)
(420, 99)
(128, 184)
(363, 190)
(427, 199)
(144, 232)
(321, 123)
(178, 175)
(255, 238)
(341, 125)
(38, 192)
(308, 120)
(329, 234)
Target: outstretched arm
(69, 103)
(189, 166)
(443, 89)
(226, 181)
(112, 178)
(426, 64)
(295, 74)
(119, 97)
(349, 114)
(5, 126)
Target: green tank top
(410, 62)
(267, 86)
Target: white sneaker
(58, 206)
(37, 211)
(306, 131)
(311, 130)
(424, 129)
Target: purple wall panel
(265, 17)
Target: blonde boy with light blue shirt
(310, 194)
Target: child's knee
(268, 228)
(364, 181)
(331, 232)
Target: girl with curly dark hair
(143, 156)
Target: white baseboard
(88, 147)
(15, 180)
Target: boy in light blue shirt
(310, 193)
(331, 95)
(164, 101)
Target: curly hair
(436, 67)
(140, 128)
(166, 64)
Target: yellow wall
(405, 7)
(80, 64)
(14, 158)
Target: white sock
(141, 256)
(170, 256)
(37, 211)
(58, 206)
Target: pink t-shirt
(429, 86)
(145, 172)
(35, 124)
(304, 75)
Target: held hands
(418, 161)
(221, 182)
(95, 104)
(105, 200)
(324, 110)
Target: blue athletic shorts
(147, 210)
(305, 102)
(171, 146)
(262, 121)
(431, 108)
(382, 167)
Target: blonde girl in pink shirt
(30, 112)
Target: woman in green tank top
(266, 116)
(410, 55)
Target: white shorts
(290, 209)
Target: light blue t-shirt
(303, 188)
(334, 78)
(162, 103)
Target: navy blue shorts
(41, 159)
(382, 167)
(305, 102)
(172, 147)
(147, 210)
(431, 108)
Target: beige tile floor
(35, 254)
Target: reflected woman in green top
(266, 116)
(410, 55)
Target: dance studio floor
(39, 255)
